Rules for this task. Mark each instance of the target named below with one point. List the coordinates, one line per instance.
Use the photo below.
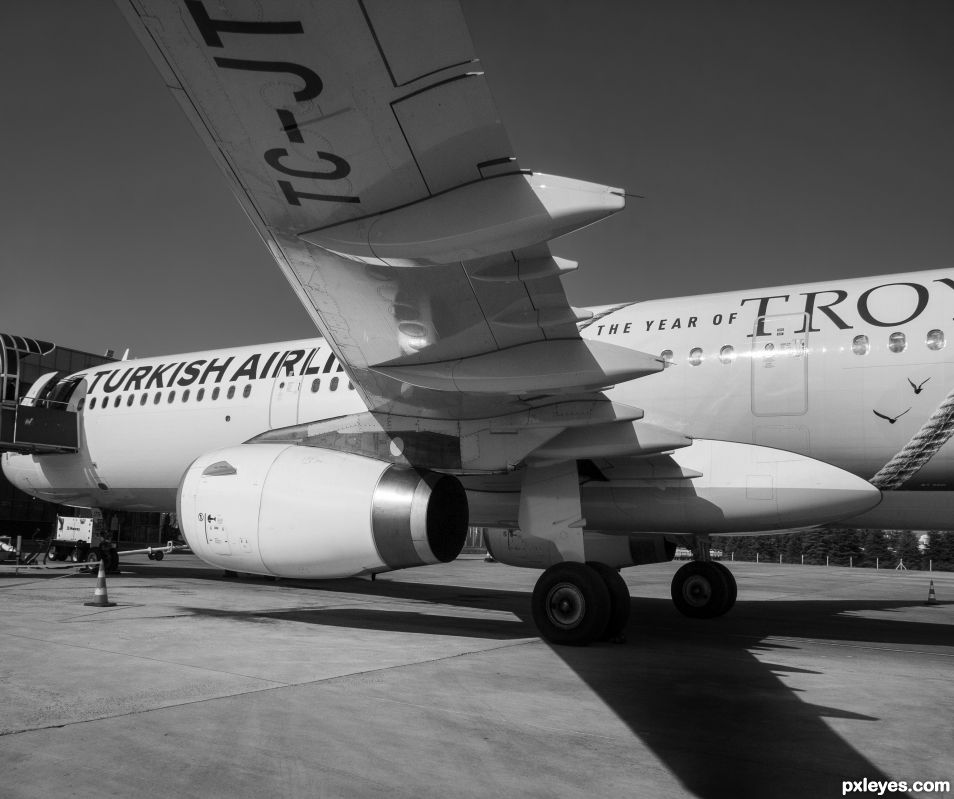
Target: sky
(772, 143)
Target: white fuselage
(820, 370)
(819, 402)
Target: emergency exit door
(283, 411)
(780, 365)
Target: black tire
(51, 553)
(700, 591)
(733, 585)
(619, 600)
(158, 555)
(92, 562)
(570, 604)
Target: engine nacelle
(516, 549)
(295, 511)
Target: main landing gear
(703, 588)
(578, 603)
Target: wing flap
(613, 440)
(471, 221)
(569, 365)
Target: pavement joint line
(276, 683)
(823, 642)
(769, 639)
(33, 581)
(277, 686)
(93, 617)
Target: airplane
(452, 383)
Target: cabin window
(727, 354)
(334, 384)
(350, 386)
(247, 391)
(143, 398)
(185, 395)
(666, 356)
(860, 345)
(200, 395)
(172, 396)
(131, 400)
(897, 342)
(315, 385)
(230, 393)
(215, 393)
(695, 356)
(81, 403)
(92, 403)
(116, 402)
(155, 400)
(935, 340)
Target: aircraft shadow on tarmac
(694, 692)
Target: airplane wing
(361, 140)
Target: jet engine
(296, 511)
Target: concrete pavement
(432, 682)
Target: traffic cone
(932, 598)
(100, 599)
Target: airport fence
(868, 549)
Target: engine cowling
(294, 511)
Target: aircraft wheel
(733, 585)
(700, 590)
(570, 604)
(158, 555)
(619, 600)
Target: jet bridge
(35, 408)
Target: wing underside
(361, 140)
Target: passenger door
(780, 365)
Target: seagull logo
(919, 387)
(888, 418)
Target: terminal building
(34, 386)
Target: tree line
(840, 546)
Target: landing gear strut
(576, 604)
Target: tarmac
(433, 683)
